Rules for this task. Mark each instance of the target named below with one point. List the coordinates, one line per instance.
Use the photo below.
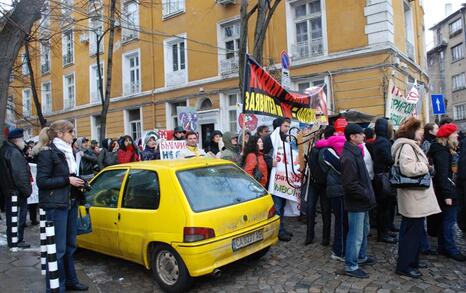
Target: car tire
(259, 254)
(169, 270)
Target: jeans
(446, 239)
(22, 213)
(356, 241)
(65, 221)
(280, 203)
(409, 246)
(318, 192)
(341, 225)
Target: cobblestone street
(288, 267)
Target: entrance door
(206, 131)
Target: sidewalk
(21, 271)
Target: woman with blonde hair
(56, 176)
(414, 203)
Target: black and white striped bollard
(52, 264)
(43, 243)
(14, 223)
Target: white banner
(398, 107)
(170, 149)
(34, 198)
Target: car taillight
(193, 234)
(271, 212)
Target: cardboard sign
(170, 149)
(398, 107)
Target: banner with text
(399, 107)
(170, 149)
(266, 96)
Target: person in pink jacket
(337, 140)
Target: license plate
(247, 239)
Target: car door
(138, 212)
(103, 199)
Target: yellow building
(171, 53)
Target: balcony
(410, 50)
(304, 50)
(45, 68)
(67, 59)
(129, 32)
(131, 88)
(229, 66)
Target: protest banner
(187, 117)
(263, 95)
(398, 108)
(170, 149)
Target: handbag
(398, 180)
(257, 174)
(383, 185)
(84, 221)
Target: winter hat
(15, 133)
(340, 124)
(447, 129)
(148, 137)
(352, 128)
(179, 129)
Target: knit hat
(148, 137)
(179, 129)
(352, 128)
(447, 129)
(15, 133)
(340, 124)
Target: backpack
(318, 175)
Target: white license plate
(247, 239)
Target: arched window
(206, 104)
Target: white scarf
(66, 149)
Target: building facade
(171, 53)
(446, 64)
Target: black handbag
(398, 180)
(84, 221)
(257, 174)
(382, 185)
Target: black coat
(14, 171)
(106, 158)
(443, 178)
(150, 154)
(88, 162)
(330, 163)
(382, 155)
(53, 178)
(359, 195)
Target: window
(455, 27)
(10, 111)
(409, 30)
(173, 112)
(130, 21)
(66, 8)
(172, 7)
(230, 34)
(457, 52)
(24, 64)
(142, 190)
(45, 57)
(459, 81)
(134, 123)
(95, 82)
(308, 29)
(218, 186)
(68, 91)
(96, 28)
(459, 112)
(131, 74)
(46, 97)
(96, 125)
(106, 189)
(27, 104)
(231, 107)
(67, 47)
(45, 17)
(175, 61)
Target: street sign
(438, 104)
(286, 80)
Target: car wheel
(169, 270)
(259, 254)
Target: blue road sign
(438, 104)
(285, 60)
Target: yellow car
(180, 218)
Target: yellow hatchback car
(180, 218)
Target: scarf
(66, 149)
(194, 149)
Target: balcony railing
(131, 88)
(308, 49)
(45, 68)
(410, 50)
(229, 66)
(67, 59)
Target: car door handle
(119, 216)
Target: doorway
(206, 131)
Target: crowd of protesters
(350, 179)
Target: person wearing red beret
(441, 153)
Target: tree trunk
(42, 120)
(108, 84)
(17, 26)
(264, 15)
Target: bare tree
(35, 96)
(265, 10)
(17, 26)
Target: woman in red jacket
(253, 160)
(127, 152)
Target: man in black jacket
(16, 181)
(359, 199)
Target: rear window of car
(214, 187)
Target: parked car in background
(179, 218)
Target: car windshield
(218, 186)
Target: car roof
(176, 164)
